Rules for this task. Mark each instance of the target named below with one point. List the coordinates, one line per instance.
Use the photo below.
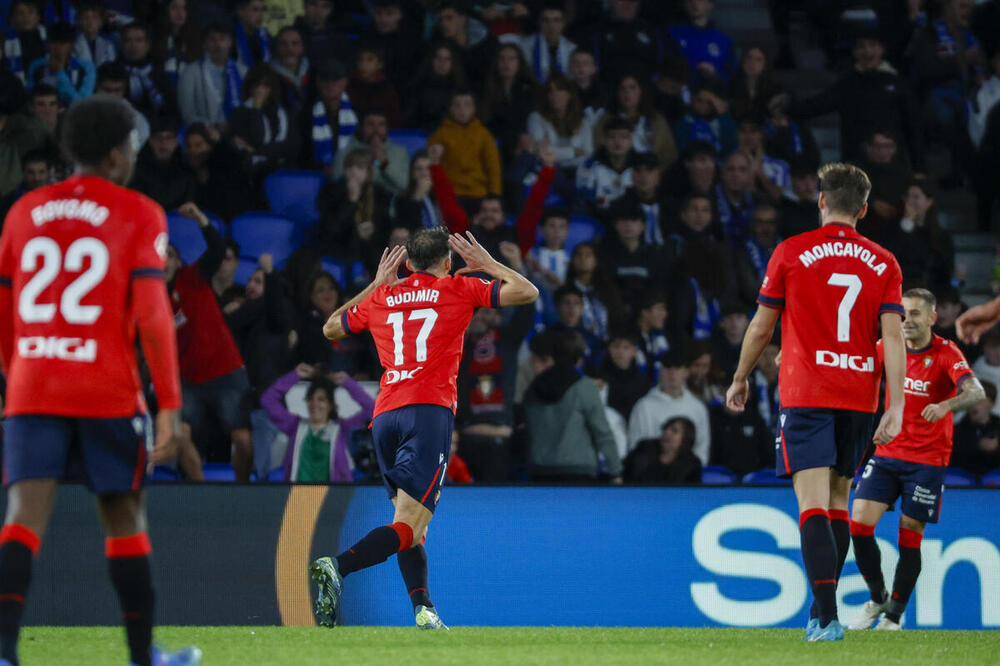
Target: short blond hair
(845, 186)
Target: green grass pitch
(280, 646)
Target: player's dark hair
(923, 294)
(95, 126)
(427, 247)
(564, 291)
(326, 386)
(990, 389)
(845, 187)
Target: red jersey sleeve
(772, 290)
(354, 320)
(150, 251)
(482, 293)
(892, 299)
(958, 367)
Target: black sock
(375, 547)
(128, 565)
(869, 559)
(413, 566)
(842, 538)
(819, 554)
(18, 546)
(907, 571)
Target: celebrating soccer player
(912, 466)
(833, 288)
(418, 324)
(81, 272)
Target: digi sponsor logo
(396, 376)
(845, 361)
(63, 349)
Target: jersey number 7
(395, 319)
(853, 284)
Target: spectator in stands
(987, 368)
(622, 42)
(391, 161)
(709, 50)
(44, 104)
(548, 261)
(208, 90)
(227, 292)
(636, 266)
(890, 174)
(949, 308)
(750, 260)
(772, 176)
(317, 446)
(292, 67)
(252, 44)
(708, 119)
(508, 98)
(149, 89)
(604, 177)
(281, 14)
(787, 139)
(977, 436)
(602, 305)
(330, 122)
(476, 46)
(261, 126)
(696, 222)
(668, 458)
(24, 42)
(568, 432)
(369, 89)
(569, 310)
(37, 168)
(734, 197)
(698, 171)
(430, 93)
(650, 132)
(354, 213)
(319, 298)
(670, 398)
(416, 207)
(984, 100)
(73, 78)
(112, 79)
(753, 88)
(728, 337)
(672, 90)
(561, 123)
(646, 192)
(797, 211)
(323, 41)
(741, 442)
(213, 377)
(985, 128)
(221, 172)
(593, 92)
(703, 282)
(177, 41)
(90, 44)
(626, 382)
(924, 250)
(705, 379)
(160, 170)
(398, 41)
(471, 159)
(548, 50)
(19, 134)
(650, 327)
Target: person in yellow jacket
(471, 158)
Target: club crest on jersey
(927, 361)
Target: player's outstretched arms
(894, 349)
(388, 269)
(976, 321)
(757, 337)
(515, 290)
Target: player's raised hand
(477, 259)
(976, 321)
(736, 396)
(168, 430)
(388, 265)
(888, 427)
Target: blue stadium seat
(164, 473)
(276, 474)
(582, 229)
(765, 477)
(218, 472)
(346, 275)
(553, 199)
(958, 477)
(292, 193)
(337, 269)
(265, 233)
(187, 237)
(991, 478)
(411, 139)
(244, 270)
(718, 474)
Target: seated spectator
(650, 326)
(650, 132)
(317, 446)
(705, 379)
(548, 261)
(569, 310)
(697, 222)
(708, 50)
(703, 282)
(753, 88)
(213, 377)
(734, 197)
(90, 44)
(708, 119)
(626, 382)
(608, 174)
(593, 93)
(646, 192)
(508, 98)
(568, 434)
(798, 212)
(987, 368)
(323, 39)
(476, 46)
(416, 207)
(471, 159)
(177, 41)
(24, 41)
(397, 39)
(772, 176)
(292, 68)
(668, 458)
(354, 213)
(668, 399)
(698, 174)
(44, 104)
(208, 90)
(636, 266)
(73, 78)
(160, 170)
(429, 95)
(370, 90)
(221, 172)
(149, 90)
(319, 298)
(19, 134)
(561, 123)
(890, 175)
(949, 308)
(391, 160)
(925, 251)
(37, 168)
(977, 436)
(112, 79)
(252, 44)
(602, 306)
(548, 50)
(741, 442)
(750, 260)
(788, 139)
(261, 126)
(728, 338)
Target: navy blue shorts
(109, 455)
(835, 438)
(920, 486)
(412, 445)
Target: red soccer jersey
(832, 284)
(69, 253)
(933, 375)
(204, 342)
(419, 327)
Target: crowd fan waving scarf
(323, 133)
(243, 46)
(12, 54)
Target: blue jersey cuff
(148, 272)
(894, 308)
(771, 301)
(344, 324)
(495, 294)
(5, 281)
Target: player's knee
(907, 523)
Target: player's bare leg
(819, 550)
(865, 515)
(188, 458)
(29, 505)
(911, 533)
(242, 454)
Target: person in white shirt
(983, 102)
(987, 367)
(561, 123)
(548, 49)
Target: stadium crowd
(628, 156)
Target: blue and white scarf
(795, 145)
(103, 50)
(245, 57)
(704, 130)
(141, 85)
(13, 55)
(323, 133)
(758, 257)
(946, 40)
(595, 315)
(542, 59)
(227, 99)
(654, 233)
(172, 66)
(706, 313)
(67, 15)
(736, 224)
